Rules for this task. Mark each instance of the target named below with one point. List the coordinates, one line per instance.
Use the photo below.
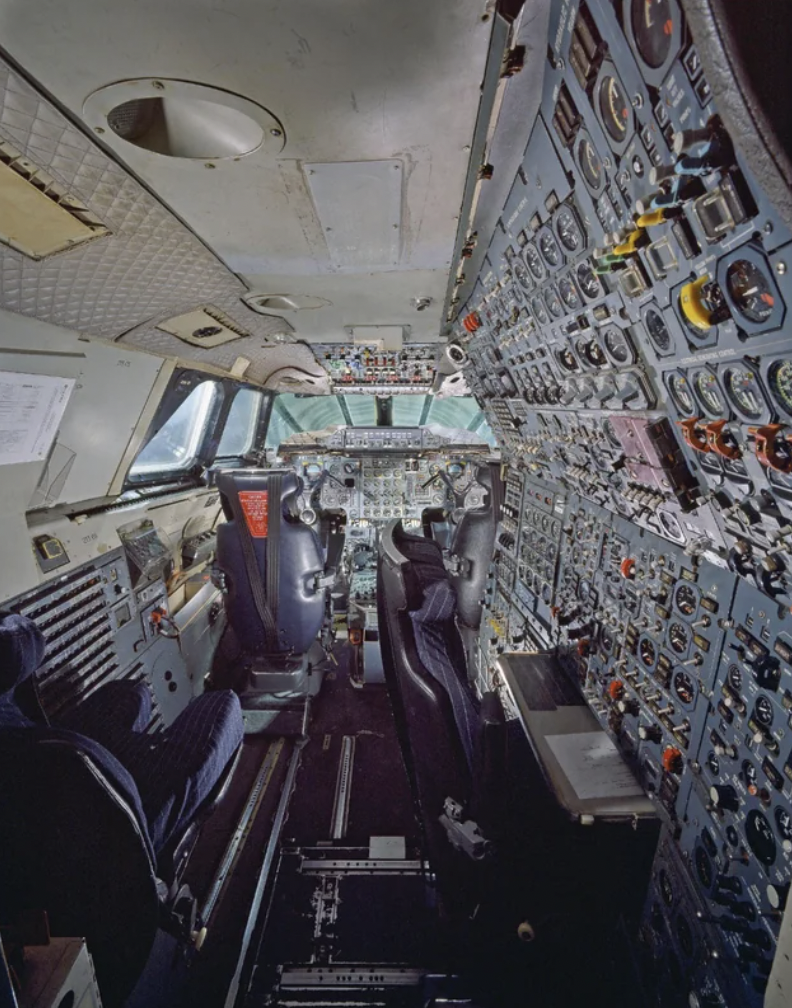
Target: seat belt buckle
(464, 834)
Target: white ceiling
(350, 80)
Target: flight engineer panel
(627, 337)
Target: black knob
(650, 733)
(725, 797)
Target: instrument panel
(626, 338)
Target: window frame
(183, 383)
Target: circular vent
(179, 119)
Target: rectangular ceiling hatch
(38, 217)
(359, 205)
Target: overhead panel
(359, 207)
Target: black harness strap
(252, 568)
(273, 543)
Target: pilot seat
(271, 567)
(454, 746)
(99, 813)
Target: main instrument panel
(626, 338)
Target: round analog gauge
(779, 378)
(614, 108)
(678, 638)
(567, 360)
(742, 388)
(590, 164)
(312, 472)
(607, 640)
(658, 330)
(783, 822)
(713, 763)
(592, 351)
(703, 867)
(709, 394)
(681, 394)
(610, 433)
(735, 677)
(455, 469)
(588, 281)
(684, 687)
(548, 246)
(686, 599)
(709, 844)
(763, 711)
(540, 312)
(553, 302)
(522, 274)
(569, 295)
(647, 652)
(666, 889)
(684, 935)
(617, 345)
(653, 28)
(749, 774)
(584, 589)
(750, 290)
(534, 260)
(569, 232)
(732, 836)
(759, 835)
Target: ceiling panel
(350, 81)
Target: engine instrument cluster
(626, 339)
(372, 370)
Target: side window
(240, 428)
(175, 445)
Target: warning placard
(255, 505)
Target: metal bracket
(464, 834)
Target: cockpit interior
(395, 504)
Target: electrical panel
(372, 370)
(626, 339)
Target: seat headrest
(22, 647)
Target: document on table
(593, 765)
(31, 408)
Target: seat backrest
(269, 559)
(430, 704)
(72, 843)
(472, 543)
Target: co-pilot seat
(270, 565)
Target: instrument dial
(684, 687)
(522, 274)
(614, 108)
(588, 281)
(590, 164)
(704, 867)
(686, 599)
(540, 312)
(548, 246)
(534, 261)
(713, 763)
(312, 472)
(750, 290)
(759, 835)
(647, 652)
(618, 345)
(591, 351)
(749, 774)
(553, 303)
(779, 378)
(709, 394)
(653, 28)
(784, 825)
(567, 360)
(681, 394)
(735, 678)
(678, 638)
(569, 295)
(763, 711)
(742, 388)
(658, 330)
(568, 229)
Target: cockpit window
(240, 428)
(175, 445)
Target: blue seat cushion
(441, 653)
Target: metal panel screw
(276, 132)
(158, 85)
(781, 268)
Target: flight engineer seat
(271, 567)
(454, 745)
(98, 814)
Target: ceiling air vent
(205, 327)
(38, 217)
